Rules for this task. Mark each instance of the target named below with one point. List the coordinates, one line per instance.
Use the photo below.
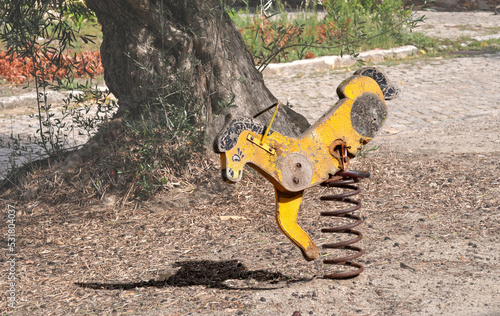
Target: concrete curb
(29, 100)
(335, 62)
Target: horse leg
(287, 209)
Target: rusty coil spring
(345, 180)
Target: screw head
(299, 165)
(296, 180)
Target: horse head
(234, 152)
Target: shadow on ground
(229, 274)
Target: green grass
(442, 47)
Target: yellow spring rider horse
(295, 164)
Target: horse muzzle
(229, 176)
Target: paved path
(19, 125)
(457, 24)
(434, 91)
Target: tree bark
(150, 44)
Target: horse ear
(228, 138)
(390, 90)
(216, 144)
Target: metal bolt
(298, 165)
(296, 180)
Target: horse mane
(390, 90)
(229, 137)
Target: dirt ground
(431, 236)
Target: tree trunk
(176, 50)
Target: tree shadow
(231, 274)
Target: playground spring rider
(320, 156)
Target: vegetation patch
(342, 27)
(19, 69)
